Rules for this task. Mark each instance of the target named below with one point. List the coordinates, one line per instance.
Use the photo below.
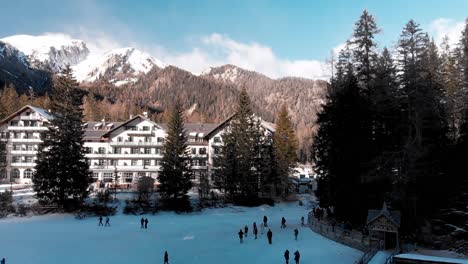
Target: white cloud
(217, 49)
(445, 26)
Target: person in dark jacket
(107, 221)
(302, 221)
(2, 261)
(166, 258)
(297, 256)
(246, 230)
(270, 236)
(100, 221)
(283, 222)
(146, 223)
(296, 232)
(265, 221)
(241, 236)
(255, 230)
(286, 256)
(142, 221)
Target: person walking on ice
(262, 228)
(296, 232)
(146, 223)
(283, 222)
(241, 236)
(297, 256)
(166, 258)
(246, 230)
(265, 221)
(2, 261)
(286, 256)
(142, 221)
(302, 221)
(270, 236)
(100, 221)
(255, 230)
(107, 221)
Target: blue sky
(298, 35)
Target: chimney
(131, 116)
(145, 114)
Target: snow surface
(209, 237)
(380, 257)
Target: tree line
(394, 127)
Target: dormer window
(109, 126)
(97, 126)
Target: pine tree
(62, 171)
(364, 49)
(9, 101)
(175, 176)
(285, 150)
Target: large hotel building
(131, 149)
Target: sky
(277, 37)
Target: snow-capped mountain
(49, 52)
(118, 66)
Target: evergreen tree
(175, 176)
(9, 101)
(364, 49)
(285, 150)
(62, 170)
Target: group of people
(144, 223)
(297, 256)
(107, 221)
(244, 233)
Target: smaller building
(383, 226)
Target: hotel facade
(129, 150)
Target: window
(146, 128)
(202, 163)
(216, 150)
(3, 174)
(147, 150)
(113, 162)
(117, 151)
(195, 162)
(130, 139)
(147, 162)
(141, 174)
(15, 174)
(119, 139)
(134, 162)
(133, 128)
(147, 139)
(102, 150)
(160, 140)
(95, 175)
(28, 174)
(29, 159)
(128, 175)
(194, 151)
(108, 175)
(158, 162)
(16, 147)
(31, 147)
(135, 151)
(14, 123)
(217, 140)
(202, 151)
(29, 135)
(16, 159)
(101, 162)
(88, 150)
(157, 150)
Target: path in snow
(209, 237)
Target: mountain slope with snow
(50, 52)
(119, 66)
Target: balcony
(198, 167)
(30, 117)
(30, 140)
(23, 164)
(24, 152)
(27, 128)
(124, 156)
(122, 168)
(136, 144)
(140, 132)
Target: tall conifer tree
(62, 170)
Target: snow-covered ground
(206, 237)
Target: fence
(351, 238)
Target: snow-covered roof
(433, 259)
(393, 216)
(44, 113)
